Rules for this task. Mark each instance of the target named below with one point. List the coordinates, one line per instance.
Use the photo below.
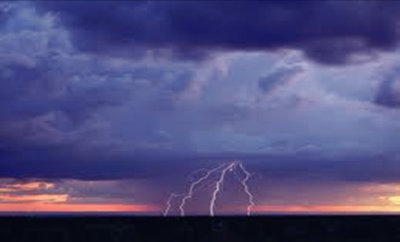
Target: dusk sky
(113, 106)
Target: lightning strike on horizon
(168, 207)
(218, 185)
(246, 188)
(222, 171)
(193, 186)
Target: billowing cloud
(328, 32)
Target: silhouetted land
(200, 229)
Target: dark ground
(200, 229)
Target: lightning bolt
(193, 186)
(218, 185)
(246, 188)
(222, 170)
(169, 201)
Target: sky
(113, 106)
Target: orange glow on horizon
(33, 186)
(73, 207)
(37, 196)
(27, 186)
(394, 200)
(50, 198)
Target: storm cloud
(151, 91)
(328, 32)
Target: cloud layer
(328, 32)
(87, 93)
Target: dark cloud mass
(65, 162)
(329, 32)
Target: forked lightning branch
(217, 176)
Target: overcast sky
(111, 106)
